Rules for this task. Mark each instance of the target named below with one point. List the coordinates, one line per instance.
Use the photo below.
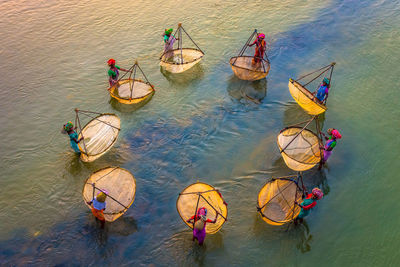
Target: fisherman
(113, 72)
(99, 205)
(260, 48)
(333, 135)
(73, 136)
(322, 93)
(308, 203)
(169, 40)
(199, 224)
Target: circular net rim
(296, 127)
(307, 93)
(264, 61)
(213, 189)
(112, 144)
(184, 63)
(258, 200)
(114, 87)
(102, 169)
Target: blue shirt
(98, 205)
(72, 137)
(322, 91)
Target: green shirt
(331, 143)
(112, 73)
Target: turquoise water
(198, 126)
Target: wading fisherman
(98, 206)
(260, 48)
(113, 72)
(199, 224)
(308, 203)
(169, 40)
(322, 93)
(333, 135)
(73, 136)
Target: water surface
(200, 125)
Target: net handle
(245, 46)
(320, 133)
(324, 68)
(180, 25)
(305, 126)
(273, 179)
(80, 129)
(94, 118)
(330, 80)
(94, 187)
(133, 81)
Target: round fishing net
(100, 134)
(300, 148)
(276, 201)
(180, 60)
(131, 91)
(200, 195)
(245, 69)
(120, 186)
(305, 99)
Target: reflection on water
(184, 79)
(304, 237)
(126, 108)
(245, 91)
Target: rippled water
(200, 125)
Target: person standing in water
(169, 40)
(73, 136)
(98, 206)
(113, 72)
(260, 48)
(308, 203)
(333, 135)
(322, 93)
(199, 224)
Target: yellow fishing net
(132, 91)
(305, 98)
(100, 134)
(300, 148)
(245, 69)
(276, 201)
(120, 187)
(200, 195)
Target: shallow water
(201, 125)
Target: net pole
(110, 196)
(212, 206)
(276, 194)
(133, 81)
(143, 74)
(316, 77)
(80, 130)
(245, 46)
(330, 78)
(298, 133)
(129, 70)
(86, 111)
(195, 211)
(302, 77)
(192, 40)
(180, 39)
(320, 144)
(295, 198)
(102, 121)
